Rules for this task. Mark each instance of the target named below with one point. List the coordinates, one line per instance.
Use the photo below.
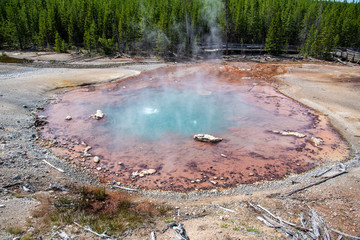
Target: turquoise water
(151, 113)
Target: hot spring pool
(150, 120)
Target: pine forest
(162, 27)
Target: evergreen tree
(275, 38)
(317, 27)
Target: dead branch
(338, 59)
(344, 234)
(323, 172)
(283, 221)
(180, 232)
(319, 227)
(225, 209)
(88, 229)
(11, 185)
(314, 184)
(267, 223)
(59, 169)
(153, 235)
(125, 188)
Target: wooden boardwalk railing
(243, 48)
(348, 54)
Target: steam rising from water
(154, 112)
(149, 121)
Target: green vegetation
(14, 230)
(28, 236)
(179, 26)
(224, 225)
(252, 230)
(170, 220)
(96, 208)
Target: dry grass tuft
(97, 208)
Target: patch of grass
(163, 209)
(252, 230)
(98, 209)
(224, 225)
(169, 220)
(15, 230)
(19, 195)
(236, 229)
(64, 201)
(7, 59)
(28, 236)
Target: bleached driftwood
(88, 229)
(319, 227)
(180, 232)
(225, 209)
(343, 171)
(125, 188)
(59, 169)
(273, 221)
(344, 234)
(316, 230)
(323, 172)
(153, 235)
(338, 59)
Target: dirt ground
(329, 88)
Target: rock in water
(207, 138)
(143, 173)
(96, 159)
(316, 141)
(98, 115)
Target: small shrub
(64, 200)
(28, 236)
(14, 230)
(170, 220)
(252, 230)
(224, 225)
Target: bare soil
(328, 88)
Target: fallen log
(313, 184)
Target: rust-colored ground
(248, 153)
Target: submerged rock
(98, 115)
(144, 172)
(289, 133)
(96, 159)
(207, 138)
(316, 141)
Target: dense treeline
(179, 26)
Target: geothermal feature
(145, 137)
